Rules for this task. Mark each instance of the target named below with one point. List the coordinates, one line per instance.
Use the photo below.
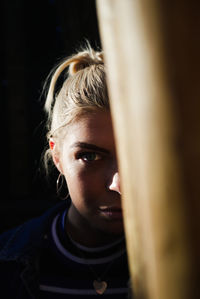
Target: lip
(112, 212)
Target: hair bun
(75, 63)
(85, 59)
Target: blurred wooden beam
(152, 53)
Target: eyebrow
(85, 145)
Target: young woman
(77, 249)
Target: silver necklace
(100, 285)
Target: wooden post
(152, 54)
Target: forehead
(95, 128)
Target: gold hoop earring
(59, 183)
(59, 186)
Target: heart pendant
(100, 286)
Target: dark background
(35, 35)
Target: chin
(117, 229)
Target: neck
(82, 232)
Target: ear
(55, 155)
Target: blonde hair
(84, 89)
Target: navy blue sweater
(19, 256)
(20, 252)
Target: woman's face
(88, 161)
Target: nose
(115, 184)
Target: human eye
(89, 156)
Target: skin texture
(88, 161)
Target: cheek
(84, 183)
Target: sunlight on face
(89, 164)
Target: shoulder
(27, 238)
